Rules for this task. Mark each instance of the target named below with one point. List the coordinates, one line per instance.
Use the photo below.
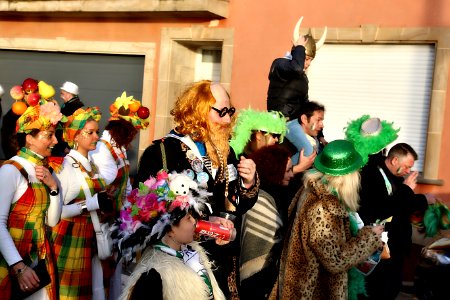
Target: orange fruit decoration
(134, 106)
(19, 107)
(112, 108)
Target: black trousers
(385, 282)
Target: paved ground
(405, 296)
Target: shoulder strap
(87, 193)
(18, 166)
(163, 155)
(111, 149)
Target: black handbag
(44, 280)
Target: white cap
(2, 91)
(70, 87)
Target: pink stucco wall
(262, 31)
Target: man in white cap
(69, 94)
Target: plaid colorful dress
(26, 224)
(74, 242)
(123, 174)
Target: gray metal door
(101, 79)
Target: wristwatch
(54, 192)
(83, 207)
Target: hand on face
(411, 180)
(247, 170)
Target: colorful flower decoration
(129, 109)
(41, 116)
(153, 206)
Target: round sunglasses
(222, 112)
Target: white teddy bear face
(181, 183)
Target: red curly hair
(192, 108)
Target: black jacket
(288, 86)
(376, 204)
(71, 106)
(68, 109)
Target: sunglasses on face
(274, 135)
(222, 112)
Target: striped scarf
(260, 233)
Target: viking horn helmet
(311, 46)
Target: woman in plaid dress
(74, 238)
(29, 198)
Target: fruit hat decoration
(30, 93)
(129, 109)
(40, 116)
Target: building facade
(172, 43)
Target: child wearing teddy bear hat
(161, 214)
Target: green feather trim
(370, 144)
(356, 284)
(250, 120)
(436, 217)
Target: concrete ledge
(209, 9)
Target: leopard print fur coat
(320, 249)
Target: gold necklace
(223, 175)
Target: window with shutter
(389, 81)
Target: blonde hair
(346, 186)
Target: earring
(75, 145)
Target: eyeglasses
(274, 135)
(222, 112)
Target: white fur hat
(70, 87)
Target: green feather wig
(250, 120)
(370, 143)
(436, 217)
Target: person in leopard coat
(324, 243)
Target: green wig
(372, 138)
(437, 216)
(250, 120)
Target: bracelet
(20, 272)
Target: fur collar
(179, 281)
(329, 201)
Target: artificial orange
(112, 108)
(134, 106)
(19, 107)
